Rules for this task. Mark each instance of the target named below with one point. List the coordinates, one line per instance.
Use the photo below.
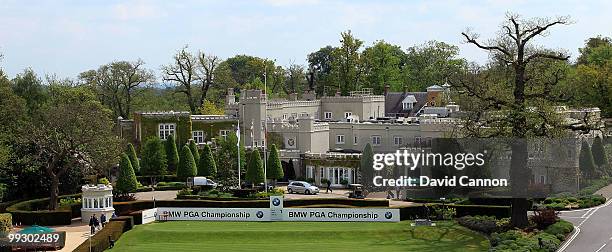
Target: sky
(66, 37)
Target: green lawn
(178, 236)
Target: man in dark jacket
(328, 187)
(96, 222)
(92, 224)
(103, 220)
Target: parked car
(302, 187)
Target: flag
(238, 133)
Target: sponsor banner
(276, 208)
(213, 214)
(341, 214)
(149, 215)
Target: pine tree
(187, 167)
(275, 169)
(172, 154)
(126, 181)
(131, 152)
(255, 169)
(586, 162)
(366, 166)
(194, 151)
(153, 158)
(207, 166)
(599, 155)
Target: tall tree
(183, 72)
(117, 83)
(72, 131)
(153, 159)
(255, 168)
(514, 51)
(383, 63)
(131, 152)
(430, 63)
(591, 44)
(208, 64)
(366, 167)
(592, 82)
(207, 166)
(227, 160)
(348, 63)
(29, 87)
(126, 180)
(194, 151)
(275, 169)
(320, 70)
(172, 154)
(599, 155)
(295, 79)
(187, 165)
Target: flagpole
(265, 124)
(238, 149)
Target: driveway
(593, 227)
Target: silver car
(302, 187)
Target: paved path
(593, 227)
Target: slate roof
(393, 103)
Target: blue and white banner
(213, 214)
(341, 214)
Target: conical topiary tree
(187, 167)
(153, 159)
(172, 154)
(275, 169)
(207, 166)
(194, 151)
(366, 166)
(255, 169)
(131, 152)
(599, 155)
(586, 162)
(126, 181)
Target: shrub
(187, 167)
(172, 154)
(207, 166)
(485, 224)
(184, 191)
(126, 181)
(35, 211)
(344, 182)
(544, 217)
(99, 242)
(104, 181)
(443, 212)
(68, 201)
(6, 224)
(562, 228)
(194, 152)
(275, 169)
(131, 152)
(153, 158)
(255, 169)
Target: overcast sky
(68, 37)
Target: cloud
(291, 2)
(137, 10)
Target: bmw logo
(259, 214)
(276, 202)
(388, 215)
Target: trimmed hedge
(33, 212)
(146, 180)
(115, 228)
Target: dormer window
(408, 102)
(406, 105)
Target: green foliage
(6, 224)
(131, 152)
(515, 240)
(194, 151)
(153, 158)
(68, 201)
(126, 180)
(187, 167)
(184, 191)
(104, 181)
(210, 108)
(431, 63)
(570, 202)
(594, 186)
(544, 217)
(208, 166)
(366, 166)
(599, 155)
(172, 154)
(445, 212)
(275, 169)
(255, 168)
(586, 162)
(561, 227)
(29, 87)
(227, 161)
(383, 63)
(485, 224)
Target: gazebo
(98, 200)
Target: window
(285, 116)
(406, 105)
(355, 140)
(310, 172)
(198, 136)
(542, 179)
(417, 142)
(224, 133)
(166, 129)
(339, 139)
(397, 140)
(376, 140)
(347, 114)
(328, 115)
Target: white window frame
(224, 134)
(340, 139)
(165, 129)
(398, 140)
(347, 114)
(376, 142)
(198, 136)
(328, 115)
(285, 116)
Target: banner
(213, 214)
(341, 214)
(149, 215)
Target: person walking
(96, 222)
(92, 224)
(103, 220)
(328, 187)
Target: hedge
(420, 212)
(146, 180)
(115, 228)
(6, 223)
(29, 213)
